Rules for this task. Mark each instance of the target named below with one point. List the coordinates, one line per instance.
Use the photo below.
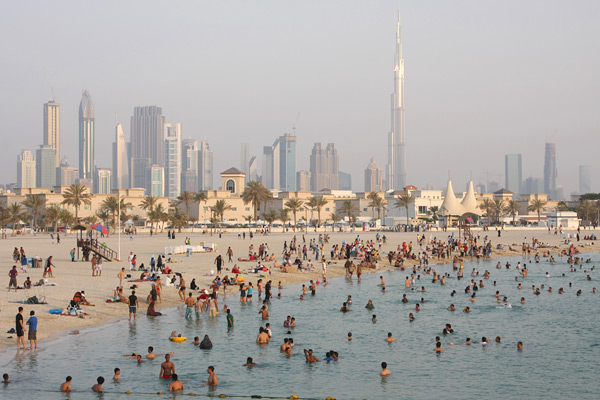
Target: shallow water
(560, 333)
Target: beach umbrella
(99, 228)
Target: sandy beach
(71, 277)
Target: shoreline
(56, 327)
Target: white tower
(396, 168)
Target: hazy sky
(483, 78)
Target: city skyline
(446, 117)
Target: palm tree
(162, 216)
(585, 210)
(373, 196)
(487, 206)
(294, 205)
(66, 219)
(512, 209)
(35, 203)
(433, 211)
(111, 205)
(248, 218)
(270, 216)
(52, 216)
(15, 213)
(562, 206)
(537, 205)
(404, 200)
(349, 209)
(255, 193)
(220, 207)
(3, 213)
(284, 216)
(186, 198)
(90, 220)
(75, 196)
(499, 209)
(317, 203)
(104, 216)
(177, 218)
(334, 219)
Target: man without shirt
(167, 368)
(66, 386)
(176, 385)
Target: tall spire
(396, 168)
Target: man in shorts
(32, 335)
(13, 278)
(167, 368)
(20, 329)
(133, 304)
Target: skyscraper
(324, 167)
(550, 170)
(533, 185)
(303, 180)
(52, 128)
(245, 158)
(156, 177)
(585, 179)
(205, 166)
(66, 175)
(287, 162)
(189, 165)
(252, 169)
(26, 170)
(120, 160)
(102, 181)
(396, 168)
(373, 177)
(270, 165)
(513, 173)
(87, 159)
(147, 141)
(45, 168)
(172, 160)
(345, 181)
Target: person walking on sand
(121, 276)
(48, 268)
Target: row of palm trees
(496, 209)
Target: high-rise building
(45, 167)
(102, 181)
(345, 181)
(270, 165)
(534, 185)
(550, 170)
(120, 160)
(245, 158)
(147, 141)
(585, 179)
(513, 173)
(324, 168)
(287, 162)
(52, 128)
(189, 165)
(26, 170)
(373, 177)
(87, 151)
(252, 169)
(396, 168)
(172, 160)
(303, 180)
(66, 175)
(157, 180)
(205, 166)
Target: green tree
(177, 218)
(487, 206)
(373, 196)
(499, 209)
(512, 209)
(404, 201)
(284, 216)
(294, 205)
(220, 207)
(537, 206)
(15, 213)
(186, 198)
(75, 195)
(317, 203)
(35, 203)
(255, 193)
(433, 211)
(52, 216)
(270, 216)
(349, 209)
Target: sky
(482, 79)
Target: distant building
(87, 140)
(324, 167)
(157, 180)
(373, 177)
(245, 158)
(534, 185)
(172, 159)
(140, 173)
(253, 170)
(493, 186)
(345, 181)
(189, 165)
(585, 179)
(513, 173)
(66, 175)
(102, 181)
(52, 128)
(550, 170)
(270, 166)
(287, 163)
(120, 161)
(45, 167)
(205, 167)
(303, 181)
(147, 143)
(26, 170)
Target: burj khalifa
(396, 167)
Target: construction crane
(294, 124)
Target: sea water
(559, 331)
